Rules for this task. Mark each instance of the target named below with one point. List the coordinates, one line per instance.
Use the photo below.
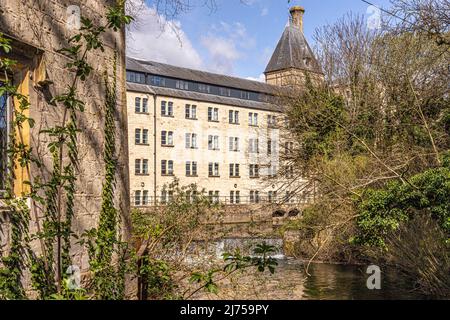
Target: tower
(293, 57)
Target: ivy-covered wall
(39, 29)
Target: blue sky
(237, 38)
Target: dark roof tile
(293, 51)
(157, 68)
(196, 96)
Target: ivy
(384, 210)
(57, 193)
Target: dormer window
(306, 61)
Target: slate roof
(197, 96)
(293, 51)
(162, 69)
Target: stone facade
(154, 181)
(159, 85)
(39, 29)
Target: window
(235, 197)
(253, 145)
(289, 172)
(234, 144)
(245, 95)
(167, 167)
(157, 81)
(137, 136)
(191, 168)
(213, 142)
(145, 197)
(137, 198)
(271, 121)
(137, 166)
(145, 166)
(191, 141)
(167, 138)
(141, 136)
(191, 196)
(145, 136)
(214, 196)
(289, 147)
(141, 166)
(272, 171)
(137, 105)
(213, 169)
(287, 122)
(167, 109)
(270, 146)
(233, 117)
(191, 112)
(272, 196)
(5, 120)
(166, 196)
(289, 196)
(225, 92)
(213, 114)
(234, 170)
(254, 171)
(204, 88)
(253, 119)
(183, 85)
(254, 196)
(135, 77)
(144, 105)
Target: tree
(381, 117)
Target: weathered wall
(179, 125)
(292, 77)
(40, 28)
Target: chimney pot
(297, 13)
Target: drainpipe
(154, 147)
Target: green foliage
(56, 195)
(157, 276)
(234, 262)
(384, 210)
(314, 118)
(68, 293)
(262, 259)
(172, 222)
(104, 245)
(10, 274)
(14, 263)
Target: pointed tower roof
(293, 51)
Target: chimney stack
(297, 13)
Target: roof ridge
(203, 71)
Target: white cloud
(223, 53)
(264, 12)
(226, 43)
(153, 37)
(261, 78)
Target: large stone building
(224, 134)
(38, 30)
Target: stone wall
(39, 29)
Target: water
(291, 282)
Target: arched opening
(278, 213)
(294, 213)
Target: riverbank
(325, 282)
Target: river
(325, 282)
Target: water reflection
(326, 282)
(344, 282)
